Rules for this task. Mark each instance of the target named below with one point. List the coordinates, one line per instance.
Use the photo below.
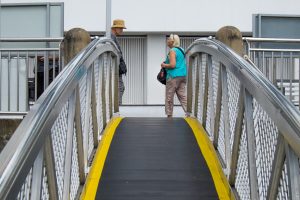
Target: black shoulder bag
(122, 66)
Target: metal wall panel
(134, 49)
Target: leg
(121, 89)
(181, 92)
(169, 101)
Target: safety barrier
(254, 128)
(49, 154)
(279, 60)
(27, 67)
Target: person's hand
(162, 65)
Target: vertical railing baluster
(211, 89)
(109, 70)
(199, 86)
(27, 77)
(1, 79)
(281, 73)
(293, 172)
(46, 70)
(190, 84)
(103, 90)
(198, 78)
(50, 168)
(94, 108)
(116, 83)
(277, 167)
(290, 74)
(35, 76)
(251, 145)
(8, 79)
(225, 102)
(206, 86)
(79, 137)
(37, 176)
(88, 111)
(218, 108)
(238, 129)
(273, 67)
(299, 82)
(18, 81)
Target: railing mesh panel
(266, 135)
(45, 191)
(242, 182)
(24, 193)
(283, 190)
(221, 139)
(233, 96)
(91, 137)
(83, 98)
(212, 98)
(59, 137)
(74, 169)
(98, 87)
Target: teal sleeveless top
(180, 68)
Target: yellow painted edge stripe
(222, 186)
(93, 178)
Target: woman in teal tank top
(175, 66)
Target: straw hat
(118, 23)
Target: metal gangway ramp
(251, 128)
(156, 158)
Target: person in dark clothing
(116, 30)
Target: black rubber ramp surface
(155, 158)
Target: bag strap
(180, 50)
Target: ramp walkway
(156, 158)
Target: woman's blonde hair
(176, 40)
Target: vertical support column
(251, 145)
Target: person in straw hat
(116, 30)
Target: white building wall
(156, 50)
(170, 16)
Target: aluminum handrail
(281, 40)
(58, 39)
(285, 108)
(23, 148)
(254, 128)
